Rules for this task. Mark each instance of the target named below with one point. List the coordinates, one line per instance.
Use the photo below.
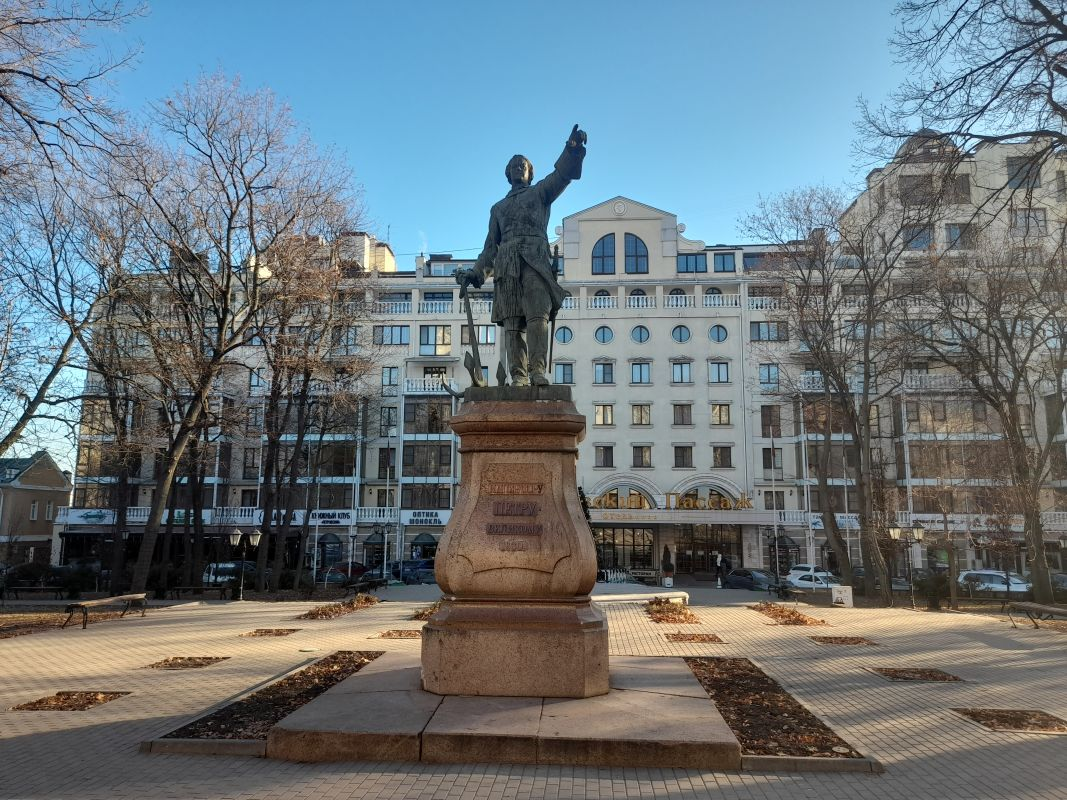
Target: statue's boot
(517, 357)
(537, 343)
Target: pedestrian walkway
(927, 750)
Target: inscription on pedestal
(515, 529)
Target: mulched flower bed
(271, 632)
(700, 638)
(36, 620)
(1004, 719)
(400, 634)
(423, 614)
(664, 611)
(186, 662)
(764, 717)
(785, 616)
(842, 640)
(70, 701)
(334, 610)
(252, 717)
(914, 674)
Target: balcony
(436, 308)
(637, 301)
(722, 301)
(679, 301)
(428, 386)
(395, 307)
(600, 303)
(922, 381)
(763, 303)
(569, 303)
(479, 307)
(230, 516)
(1051, 521)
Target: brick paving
(928, 750)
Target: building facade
(32, 492)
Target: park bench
(128, 601)
(1036, 611)
(364, 584)
(177, 591)
(57, 592)
(787, 592)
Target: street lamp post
(380, 532)
(351, 547)
(910, 536)
(237, 538)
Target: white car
(991, 580)
(812, 580)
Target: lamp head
(253, 537)
(918, 532)
(894, 534)
(235, 537)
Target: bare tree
(227, 178)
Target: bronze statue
(526, 293)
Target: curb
(206, 747)
(809, 764)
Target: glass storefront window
(624, 548)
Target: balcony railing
(758, 303)
(427, 386)
(481, 307)
(919, 381)
(1050, 521)
(722, 301)
(393, 307)
(226, 516)
(436, 307)
(600, 303)
(679, 301)
(637, 301)
(569, 303)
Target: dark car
(1059, 586)
(755, 579)
(896, 583)
(412, 568)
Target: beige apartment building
(32, 491)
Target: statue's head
(519, 171)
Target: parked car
(355, 573)
(991, 580)
(897, 583)
(1059, 586)
(812, 580)
(798, 569)
(754, 579)
(411, 569)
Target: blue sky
(697, 108)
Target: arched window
(636, 256)
(637, 293)
(713, 290)
(677, 292)
(604, 255)
(602, 293)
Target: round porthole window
(680, 334)
(717, 333)
(639, 334)
(564, 334)
(603, 334)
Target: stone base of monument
(656, 714)
(514, 648)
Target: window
(722, 456)
(683, 456)
(564, 334)
(391, 334)
(681, 372)
(256, 379)
(641, 372)
(564, 374)
(773, 500)
(958, 189)
(636, 256)
(390, 376)
(604, 255)
(768, 377)
(960, 236)
(427, 415)
(425, 495)
(33, 511)
(435, 340)
(772, 463)
(917, 237)
(683, 414)
(724, 262)
(718, 372)
(641, 414)
(720, 413)
(713, 291)
(770, 421)
(253, 419)
(916, 189)
(978, 411)
(603, 372)
(1028, 220)
(911, 410)
(603, 334)
(692, 262)
(769, 331)
(386, 463)
(717, 333)
(428, 460)
(603, 414)
(388, 420)
(250, 468)
(937, 411)
(642, 456)
(753, 260)
(680, 334)
(49, 508)
(639, 334)
(1024, 172)
(486, 334)
(604, 455)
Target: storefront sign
(425, 517)
(675, 502)
(331, 516)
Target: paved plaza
(927, 750)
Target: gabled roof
(12, 468)
(607, 208)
